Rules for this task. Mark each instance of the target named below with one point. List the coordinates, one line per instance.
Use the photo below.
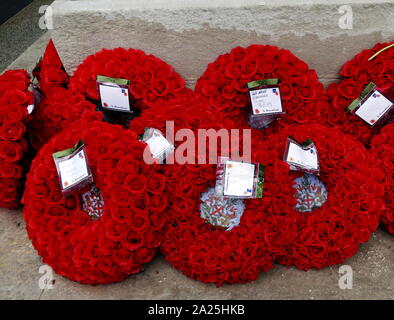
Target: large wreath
(383, 148)
(357, 73)
(331, 233)
(14, 100)
(224, 83)
(206, 252)
(125, 236)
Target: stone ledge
(190, 34)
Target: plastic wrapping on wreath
(375, 106)
(73, 169)
(237, 179)
(265, 103)
(302, 156)
(160, 147)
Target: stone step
(190, 34)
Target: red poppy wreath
(152, 82)
(330, 231)
(207, 252)
(371, 65)
(357, 73)
(383, 148)
(224, 83)
(14, 101)
(121, 234)
(204, 250)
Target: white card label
(114, 98)
(266, 101)
(374, 107)
(239, 179)
(302, 157)
(73, 170)
(158, 144)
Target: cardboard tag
(266, 101)
(73, 168)
(114, 94)
(238, 179)
(159, 146)
(302, 157)
(373, 108)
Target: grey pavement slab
(373, 276)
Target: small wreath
(153, 82)
(383, 148)
(14, 101)
(224, 83)
(121, 231)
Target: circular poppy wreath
(356, 74)
(329, 234)
(153, 82)
(224, 83)
(382, 147)
(206, 252)
(126, 236)
(14, 100)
